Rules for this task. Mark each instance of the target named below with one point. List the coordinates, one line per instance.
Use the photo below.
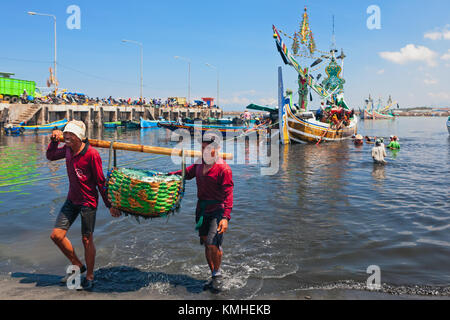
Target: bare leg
(213, 256)
(59, 238)
(89, 255)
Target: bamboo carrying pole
(149, 149)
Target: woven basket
(144, 193)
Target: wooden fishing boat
(45, 127)
(297, 124)
(304, 127)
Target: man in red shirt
(215, 201)
(84, 169)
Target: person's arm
(53, 152)
(189, 174)
(228, 187)
(99, 178)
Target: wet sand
(22, 289)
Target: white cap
(78, 128)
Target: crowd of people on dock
(81, 98)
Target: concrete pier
(96, 115)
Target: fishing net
(144, 193)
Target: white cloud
(268, 102)
(439, 34)
(411, 53)
(380, 71)
(446, 56)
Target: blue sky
(408, 57)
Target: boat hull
(377, 115)
(367, 115)
(448, 125)
(149, 123)
(112, 125)
(46, 127)
(312, 131)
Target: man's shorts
(209, 227)
(69, 212)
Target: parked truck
(11, 90)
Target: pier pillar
(69, 114)
(100, 117)
(89, 117)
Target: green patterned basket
(144, 193)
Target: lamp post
(189, 76)
(31, 13)
(142, 62)
(211, 66)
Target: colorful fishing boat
(366, 113)
(297, 124)
(13, 131)
(56, 125)
(148, 123)
(112, 124)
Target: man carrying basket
(84, 169)
(215, 201)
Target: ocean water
(326, 216)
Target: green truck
(12, 89)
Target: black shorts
(208, 228)
(69, 212)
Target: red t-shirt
(85, 174)
(216, 184)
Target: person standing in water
(394, 145)
(378, 153)
(84, 170)
(215, 202)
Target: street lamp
(211, 66)
(142, 61)
(189, 76)
(31, 13)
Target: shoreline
(23, 289)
